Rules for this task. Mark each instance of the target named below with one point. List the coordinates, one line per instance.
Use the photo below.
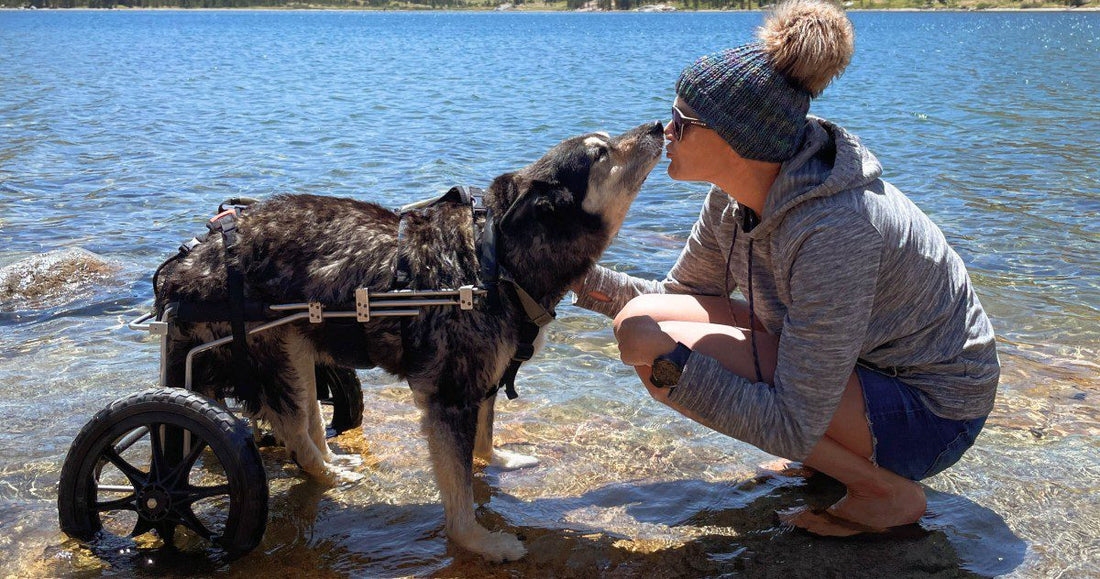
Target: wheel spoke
(179, 473)
(137, 477)
(188, 519)
(126, 503)
(156, 441)
(141, 527)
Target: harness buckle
(362, 304)
(315, 313)
(191, 244)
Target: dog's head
(560, 212)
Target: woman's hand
(641, 340)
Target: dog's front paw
(508, 460)
(348, 460)
(495, 547)
(338, 476)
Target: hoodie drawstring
(752, 322)
(748, 222)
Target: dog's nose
(657, 128)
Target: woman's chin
(673, 170)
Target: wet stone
(51, 279)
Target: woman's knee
(643, 307)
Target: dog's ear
(505, 188)
(540, 202)
(549, 197)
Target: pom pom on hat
(809, 41)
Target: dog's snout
(657, 128)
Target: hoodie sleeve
(832, 277)
(698, 271)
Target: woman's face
(698, 155)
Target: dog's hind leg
(483, 447)
(303, 429)
(451, 430)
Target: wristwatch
(667, 368)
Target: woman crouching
(862, 350)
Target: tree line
(457, 4)
(478, 4)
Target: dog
(558, 215)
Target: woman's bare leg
(877, 498)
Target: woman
(862, 351)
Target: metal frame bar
(385, 304)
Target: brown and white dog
(563, 211)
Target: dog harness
(491, 275)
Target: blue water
(121, 131)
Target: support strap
(528, 333)
(537, 317)
(225, 223)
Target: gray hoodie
(845, 269)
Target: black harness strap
(528, 332)
(225, 223)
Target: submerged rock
(51, 279)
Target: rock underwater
(51, 279)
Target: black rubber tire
(341, 386)
(227, 436)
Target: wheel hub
(154, 502)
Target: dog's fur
(297, 248)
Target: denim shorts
(908, 439)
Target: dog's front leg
(451, 430)
(483, 448)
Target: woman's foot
(864, 511)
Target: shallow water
(121, 131)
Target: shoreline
(540, 10)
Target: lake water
(121, 131)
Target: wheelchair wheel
(341, 387)
(161, 459)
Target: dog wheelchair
(168, 457)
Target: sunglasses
(679, 119)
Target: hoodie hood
(830, 160)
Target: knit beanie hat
(756, 96)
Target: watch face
(665, 373)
